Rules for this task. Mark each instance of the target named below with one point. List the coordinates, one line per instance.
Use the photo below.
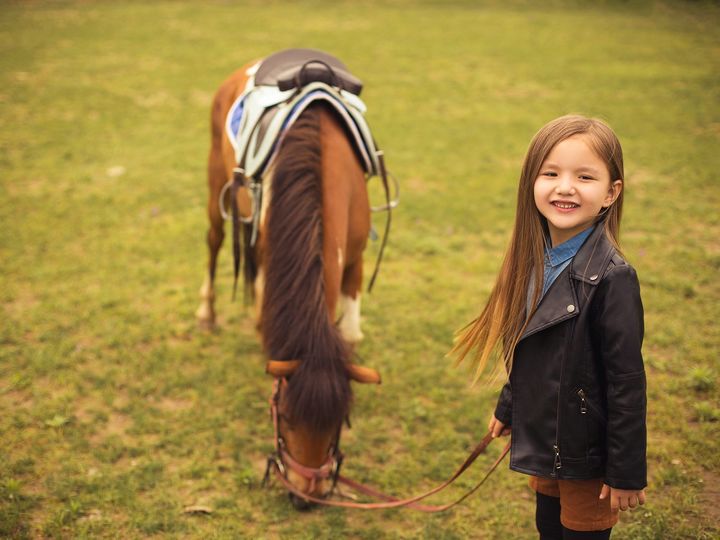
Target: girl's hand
(623, 498)
(497, 428)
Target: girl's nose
(565, 186)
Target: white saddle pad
(254, 155)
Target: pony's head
(307, 439)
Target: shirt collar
(567, 250)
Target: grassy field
(117, 413)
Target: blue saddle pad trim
(236, 115)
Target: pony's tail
(295, 322)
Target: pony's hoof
(206, 326)
(205, 316)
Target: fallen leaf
(57, 421)
(197, 509)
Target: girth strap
(237, 183)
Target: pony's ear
(281, 368)
(363, 374)
(285, 368)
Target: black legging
(547, 521)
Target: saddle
(279, 89)
(294, 68)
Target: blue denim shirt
(557, 259)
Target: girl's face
(572, 188)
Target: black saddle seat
(297, 67)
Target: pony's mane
(295, 323)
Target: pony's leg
(216, 176)
(350, 303)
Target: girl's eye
(549, 173)
(586, 177)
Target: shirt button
(571, 308)
(593, 277)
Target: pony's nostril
(299, 503)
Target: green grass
(117, 413)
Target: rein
(388, 208)
(281, 460)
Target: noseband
(283, 461)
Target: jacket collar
(593, 257)
(560, 302)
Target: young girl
(566, 318)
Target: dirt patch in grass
(174, 404)
(87, 409)
(15, 399)
(709, 497)
(117, 424)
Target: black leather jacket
(576, 394)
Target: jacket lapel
(560, 302)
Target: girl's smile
(573, 188)
(564, 205)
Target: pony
(304, 272)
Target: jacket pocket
(587, 406)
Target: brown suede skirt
(581, 509)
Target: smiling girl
(566, 318)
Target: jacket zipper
(557, 462)
(585, 404)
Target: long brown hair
(295, 323)
(494, 334)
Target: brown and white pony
(314, 225)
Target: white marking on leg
(350, 322)
(206, 290)
(206, 311)
(340, 259)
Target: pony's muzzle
(299, 503)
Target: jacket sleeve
(620, 329)
(503, 409)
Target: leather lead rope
(392, 502)
(383, 174)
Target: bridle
(281, 462)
